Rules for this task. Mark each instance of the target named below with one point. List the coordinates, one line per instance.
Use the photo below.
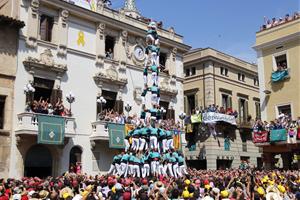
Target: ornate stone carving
(45, 62)
(62, 50)
(114, 74)
(168, 87)
(100, 6)
(31, 42)
(35, 4)
(100, 60)
(137, 94)
(64, 14)
(101, 29)
(172, 31)
(174, 53)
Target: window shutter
(239, 110)
(246, 111)
(43, 28)
(170, 114)
(229, 102)
(196, 100)
(186, 105)
(55, 95)
(119, 106)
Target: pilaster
(33, 24)
(62, 32)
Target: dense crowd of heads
(282, 122)
(216, 109)
(44, 107)
(269, 23)
(199, 184)
(115, 117)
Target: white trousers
(136, 171)
(135, 144)
(142, 143)
(170, 169)
(175, 170)
(154, 78)
(154, 169)
(127, 145)
(182, 169)
(143, 100)
(118, 168)
(154, 99)
(123, 168)
(111, 169)
(161, 170)
(164, 145)
(170, 144)
(145, 80)
(153, 142)
(146, 170)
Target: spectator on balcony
(109, 54)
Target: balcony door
(38, 162)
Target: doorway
(38, 162)
(75, 158)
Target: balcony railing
(99, 131)
(28, 125)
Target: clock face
(139, 52)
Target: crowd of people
(217, 109)
(275, 22)
(282, 122)
(197, 184)
(43, 106)
(109, 115)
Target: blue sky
(226, 25)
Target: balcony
(99, 131)
(28, 125)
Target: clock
(139, 52)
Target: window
(243, 110)
(191, 103)
(193, 71)
(226, 101)
(162, 59)
(187, 72)
(241, 77)
(109, 47)
(281, 62)
(44, 90)
(257, 110)
(2, 107)
(256, 82)
(224, 71)
(284, 109)
(46, 27)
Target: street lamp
(182, 116)
(29, 90)
(101, 101)
(128, 108)
(70, 98)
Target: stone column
(62, 33)
(209, 88)
(119, 50)
(100, 44)
(171, 61)
(32, 24)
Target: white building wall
(80, 60)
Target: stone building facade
(9, 33)
(213, 77)
(92, 51)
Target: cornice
(115, 22)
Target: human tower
(149, 148)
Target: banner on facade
(116, 135)
(196, 118)
(210, 117)
(51, 129)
